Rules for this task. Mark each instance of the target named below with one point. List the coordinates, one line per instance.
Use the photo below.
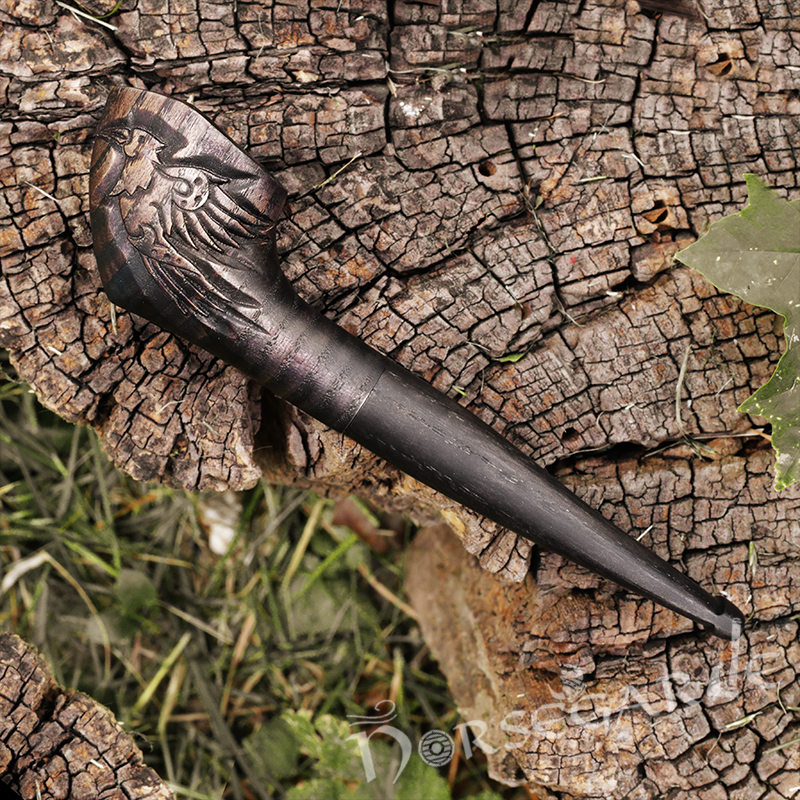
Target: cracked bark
(634, 130)
(594, 693)
(57, 744)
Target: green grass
(236, 672)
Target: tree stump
(598, 694)
(491, 194)
(57, 744)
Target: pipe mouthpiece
(727, 622)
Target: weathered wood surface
(56, 744)
(427, 245)
(604, 695)
(424, 244)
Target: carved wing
(195, 252)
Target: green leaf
(340, 772)
(326, 741)
(338, 757)
(322, 789)
(273, 750)
(418, 780)
(512, 359)
(135, 591)
(755, 254)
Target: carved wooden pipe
(184, 234)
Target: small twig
(578, 78)
(42, 191)
(443, 68)
(531, 204)
(717, 394)
(78, 13)
(688, 438)
(338, 172)
(679, 389)
(592, 180)
(564, 311)
(645, 532)
(634, 157)
(383, 591)
(113, 311)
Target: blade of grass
(225, 738)
(166, 666)
(238, 654)
(277, 518)
(199, 624)
(91, 558)
(65, 574)
(386, 593)
(23, 442)
(101, 468)
(274, 616)
(308, 531)
(396, 686)
(183, 791)
(331, 558)
(68, 488)
(784, 746)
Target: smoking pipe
(184, 234)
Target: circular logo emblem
(436, 748)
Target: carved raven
(187, 222)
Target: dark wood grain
(682, 8)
